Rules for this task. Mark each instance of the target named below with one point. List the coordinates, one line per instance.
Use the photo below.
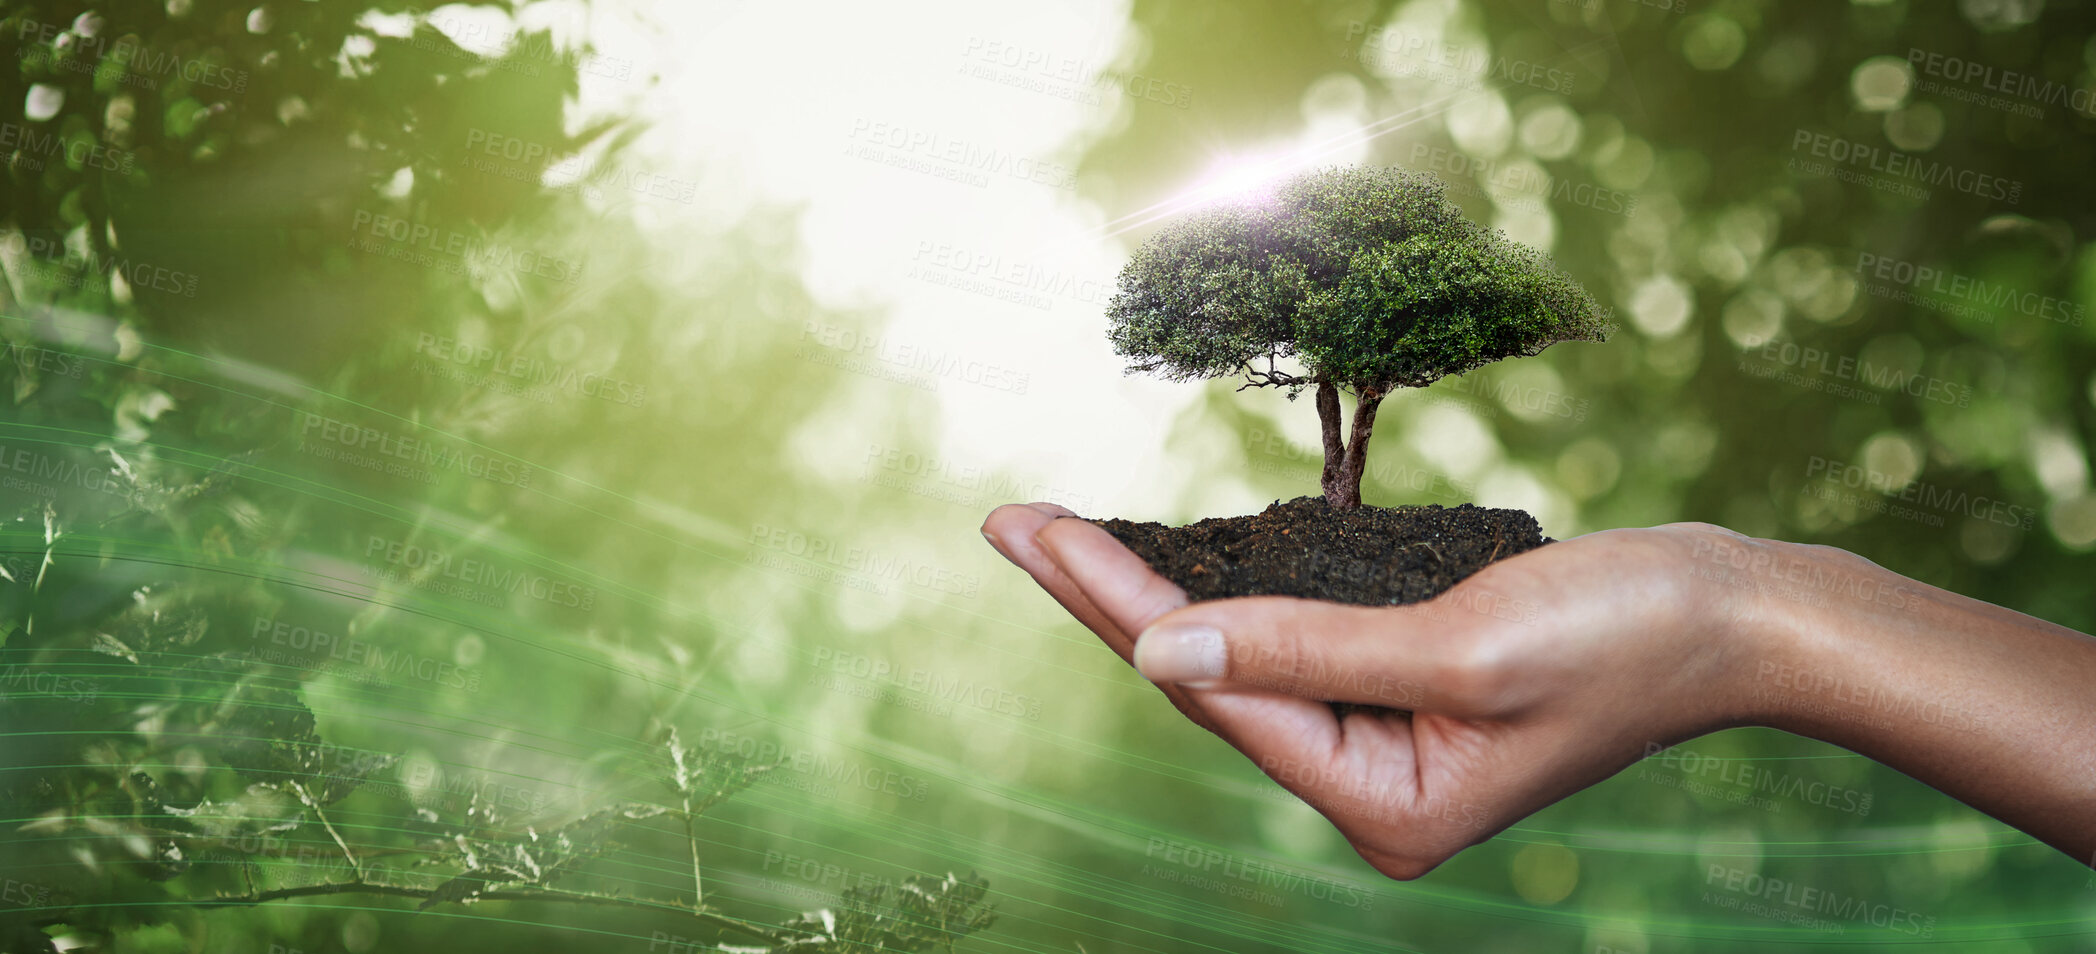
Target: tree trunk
(1335, 449)
(1356, 464)
(1346, 462)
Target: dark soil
(1373, 556)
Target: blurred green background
(413, 415)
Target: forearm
(1993, 707)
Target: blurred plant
(272, 791)
(176, 178)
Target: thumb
(1398, 657)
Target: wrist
(1780, 621)
(1815, 662)
(1736, 623)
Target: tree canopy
(1370, 277)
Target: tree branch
(356, 867)
(1272, 377)
(691, 833)
(1367, 400)
(700, 913)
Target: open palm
(1532, 679)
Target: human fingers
(1012, 530)
(1399, 657)
(1131, 595)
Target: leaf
(532, 858)
(159, 619)
(705, 777)
(112, 646)
(168, 862)
(340, 776)
(219, 832)
(921, 913)
(272, 739)
(268, 734)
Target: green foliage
(158, 768)
(919, 914)
(531, 858)
(1370, 277)
(1410, 312)
(1206, 296)
(704, 777)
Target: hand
(1536, 677)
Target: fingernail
(987, 535)
(1181, 653)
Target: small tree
(1369, 278)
